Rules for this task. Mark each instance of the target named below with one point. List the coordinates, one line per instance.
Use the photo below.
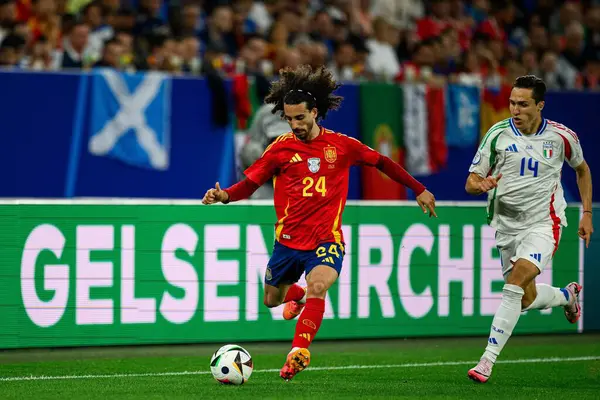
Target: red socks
(294, 293)
(309, 322)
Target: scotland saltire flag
(130, 117)
(462, 115)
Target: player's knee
(522, 273)
(317, 289)
(271, 301)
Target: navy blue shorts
(287, 265)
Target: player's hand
(427, 202)
(586, 228)
(215, 195)
(488, 183)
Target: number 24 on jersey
(319, 187)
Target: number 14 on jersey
(532, 165)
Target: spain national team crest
(330, 154)
(314, 164)
(548, 148)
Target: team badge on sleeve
(314, 164)
(330, 154)
(548, 149)
(477, 158)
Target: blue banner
(462, 115)
(130, 117)
(45, 151)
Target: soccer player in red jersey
(310, 169)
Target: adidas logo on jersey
(296, 158)
(513, 148)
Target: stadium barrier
(116, 272)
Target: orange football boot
(292, 309)
(297, 360)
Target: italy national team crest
(330, 154)
(548, 148)
(314, 164)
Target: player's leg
(507, 246)
(506, 317)
(274, 296)
(283, 271)
(322, 271)
(541, 296)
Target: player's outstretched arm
(425, 198)
(477, 185)
(240, 191)
(584, 182)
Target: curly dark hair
(305, 85)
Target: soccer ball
(231, 365)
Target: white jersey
(530, 191)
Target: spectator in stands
(289, 57)
(112, 52)
(12, 50)
(8, 17)
(252, 55)
(550, 72)
(469, 73)
(382, 61)
(99, 31)
(342, 64)
(44, 21)
(75, 52)
(568, 13)
(319, 54)
(589, 79)
(219, 30)
(190, 60)
(127, 57)
(323, 28)
(574, 50)
(529, 59)
(191, 21)
(262, 13)
(41, 56)
(124, 20)
(592, 33)
(436, 21)
(538, 39)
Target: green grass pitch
(531, 367)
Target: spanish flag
(494, 107)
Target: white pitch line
(335, 368)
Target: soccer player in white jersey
(519, 164)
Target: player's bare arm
(584, 182)
(477, 185)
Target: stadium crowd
(478, 42)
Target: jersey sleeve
(572, 148)
(360, 153)
(264, 168)
(481, 163)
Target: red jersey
(311, 185)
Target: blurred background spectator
(476, 42)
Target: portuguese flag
(382, 126)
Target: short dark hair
(537, 86)
(303, 85)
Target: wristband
(587, 212)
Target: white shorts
(536, 245)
